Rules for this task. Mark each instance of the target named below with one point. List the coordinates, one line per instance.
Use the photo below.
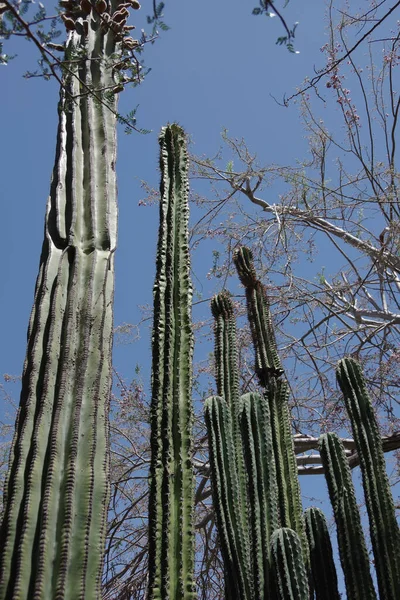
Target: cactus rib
(171, 538)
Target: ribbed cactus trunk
(57, 487)
(171, 538)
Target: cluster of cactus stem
(270, 548)
(57, 487)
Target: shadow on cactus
(270, 549)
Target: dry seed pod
(134, 4)
(130, 43)
(129, 27)
(67, 4)
(86, 6)
(86, 27)
(101, 6)
(68, 22)
(120, 15)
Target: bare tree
(339, 210)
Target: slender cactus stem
(171, 538)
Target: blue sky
(218, 67)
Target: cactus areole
(56, 491)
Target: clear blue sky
(217, 67)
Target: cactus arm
(171, 538)
(385, 533)
(225, 350)
(226, 499)
(287, 564)
(267, 359)
(323, 570)
(260, 466)
(56, 493)
(352, 547)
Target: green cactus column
(323, 570)
(269, 370)
(385, 532)
(171, 539)
(352, 547)
(288, 570)
(56, 492)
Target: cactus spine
(385, 533)
(352, 548)
(323, 571)
(56, 492)
(171, 539)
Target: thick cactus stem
(261, 477)
(56, 493)
(385, 533)
(231, 521)
(287, 565)
(323, 570)
(352, 548)
(171, 538)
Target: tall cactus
(269, 371)
(385, 532)
(56, 491)
(171, 539)
(352, 547)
